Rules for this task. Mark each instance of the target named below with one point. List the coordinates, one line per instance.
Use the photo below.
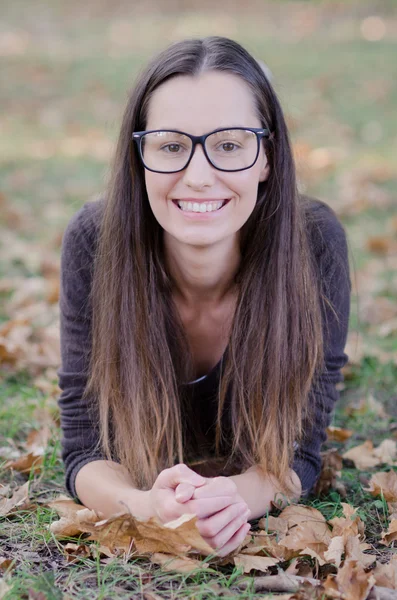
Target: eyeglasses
(227, 149)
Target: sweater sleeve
(80, 434)
(331, 252)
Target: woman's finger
(211, 526)
(234, 541)
(216, 486)
(184, 492)
(170, 478)
(206, 507)
(228, 532)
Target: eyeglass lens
(231, 149)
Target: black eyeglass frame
(200, 139)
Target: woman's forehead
(202, 103)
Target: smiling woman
(204, 305)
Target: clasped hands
(222, 513)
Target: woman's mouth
(201, 208)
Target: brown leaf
(121, 530)
(354, 549)
(35, 444)
(261, 563)
(391, 534)
(25, 463)
(296, 514)
(386, 483)
(308, 536)
(337, 434)
(264, 543)
(181, 564)
(5, 563)
(351, 581)
(18, 501)
(386, 575)
(270, 523)
(331, 466)
(349, 525)
(77, 551)
(71, 515)
(366, 456)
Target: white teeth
(201, 207)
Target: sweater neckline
(208, 375)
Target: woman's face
(199, 105)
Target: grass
(65, 79)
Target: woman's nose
(199, 171)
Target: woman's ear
(265, 170)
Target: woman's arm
(331, 249)
(259, 491)
(106, 487)
(80, 433)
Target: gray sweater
(80, 434)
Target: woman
(204, 306)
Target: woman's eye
(228, 146)
(171, 148)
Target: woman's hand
(225, 529)
(164, 504)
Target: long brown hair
(140, 354)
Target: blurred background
(66, 72)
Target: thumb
(184, 492)
(181, 474)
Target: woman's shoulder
(83, 227)
(326, 233)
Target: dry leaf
(391, 534)
(386, 483)
(18, 501)
(331, 467)
(351, 581)
(261, 563)
(386, 575)
(71, 515)
(348, 525)
(310, 536)
(366, 456)
(181, 564)
(337, 434)
(121, 530)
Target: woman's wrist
(138, 503)
(259, 491)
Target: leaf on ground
(349, 524)
(261, 563)
(291, 515)
(331, 467)
(365, 456)
(18, 501)
(313, 536)
(384, 483)
(36, 444)
(368, 404)
(307, 533)
(267, 544)
(351, 582)
(386, 575)
(354, 550)
(77, 551)
(391, 534)
(337, 434)
(181, 564)
(72, 514)
(5, 563)
(119, 531)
